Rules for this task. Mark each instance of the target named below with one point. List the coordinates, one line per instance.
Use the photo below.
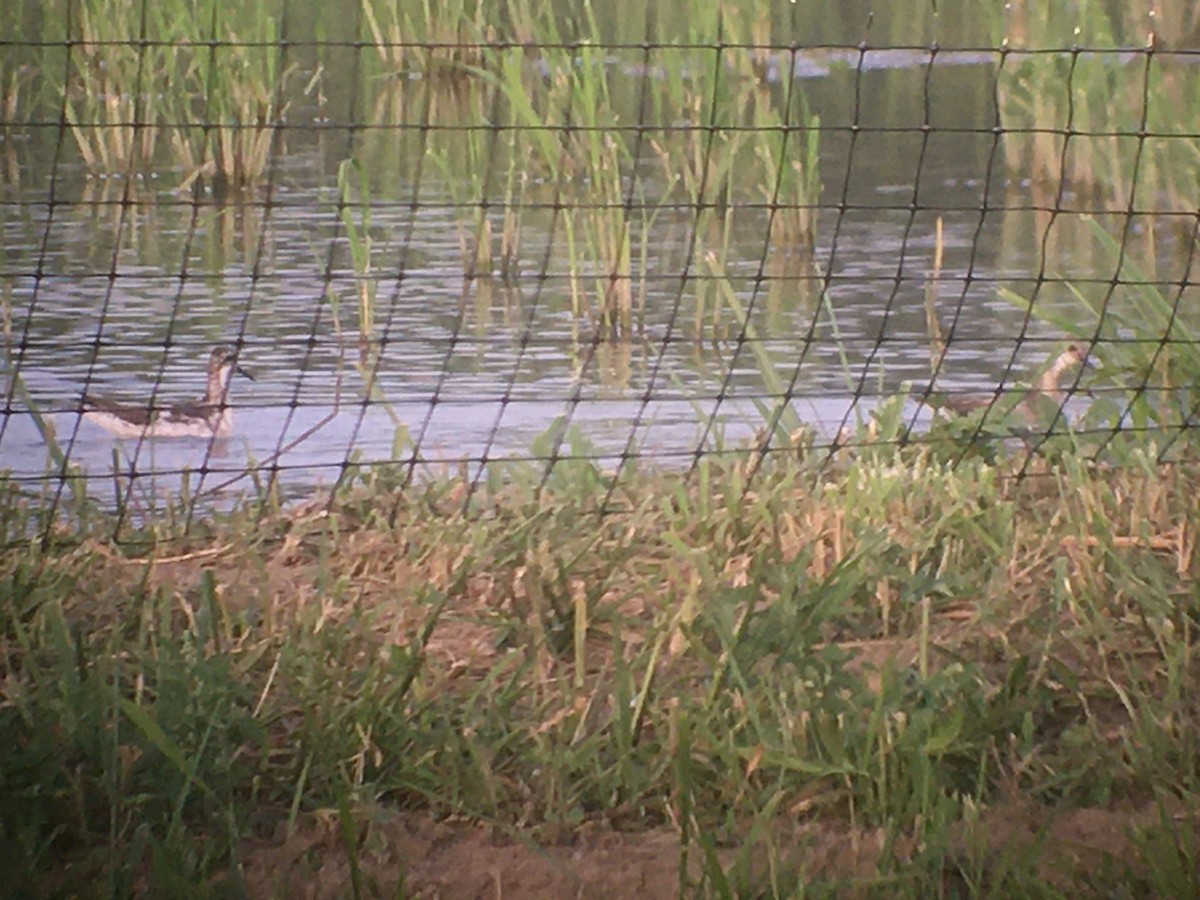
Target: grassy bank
(883, 678)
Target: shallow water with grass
(716, 232)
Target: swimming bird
(207, 416)
(1045, 395)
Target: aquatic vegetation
(1116, 125)
(571, 126)
(1146, 335)
(432, 39)
(118, 90)
(196, 88)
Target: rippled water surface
(125, 299)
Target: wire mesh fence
(468, 238)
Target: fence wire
(466, 254)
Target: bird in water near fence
(207, 416)
(1046, 394)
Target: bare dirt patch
(459, 859)
(413, 855)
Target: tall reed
(240, 89)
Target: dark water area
(122, 285)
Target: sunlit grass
(895, 649)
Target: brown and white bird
(207, 416)
(1046, 394)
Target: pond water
(124, 292)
